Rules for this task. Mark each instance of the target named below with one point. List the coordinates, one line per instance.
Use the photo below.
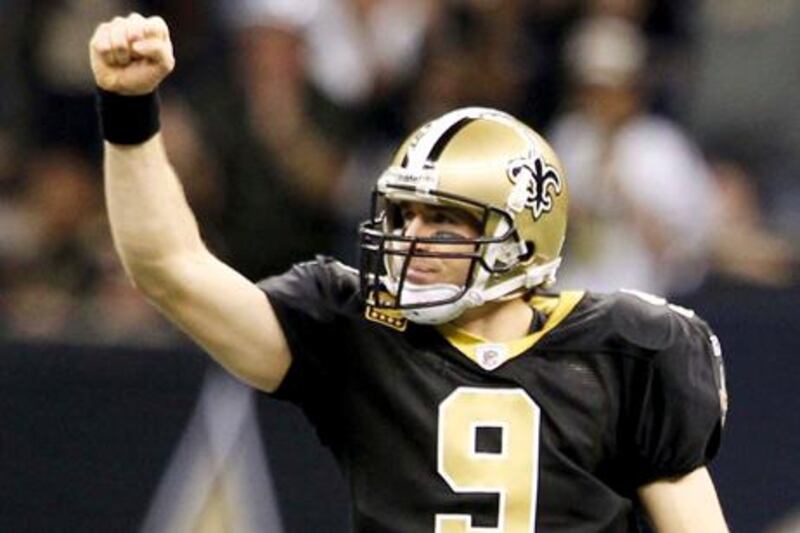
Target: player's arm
(156, 234)
(686, 504)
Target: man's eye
(448, 235)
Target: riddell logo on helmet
(535, 183)
(423, 181)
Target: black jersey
(437, 430)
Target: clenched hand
(131, 55)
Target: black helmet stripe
(446, 137)
(437, 144)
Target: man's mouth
(421, 274)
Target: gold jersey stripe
(557, 308)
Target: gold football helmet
(501, 171)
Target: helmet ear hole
(530, 250)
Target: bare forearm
(150, 219)
(684, 505)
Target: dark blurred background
(678, 123)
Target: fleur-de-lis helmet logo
(535, 184)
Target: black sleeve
(683, 405)
(312, 302)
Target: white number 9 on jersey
(510, 470)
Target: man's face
(430, 221)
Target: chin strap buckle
(542, 275)
(474, 298)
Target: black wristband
(127, 119)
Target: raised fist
(131, 55)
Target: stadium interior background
(278, 118)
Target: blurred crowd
(676, 136)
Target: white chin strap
(478, 294)
(435, 292)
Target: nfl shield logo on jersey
(490, 356)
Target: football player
(456, 393)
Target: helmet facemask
(387, 252)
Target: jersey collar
(490, 355)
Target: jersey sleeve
(312, 302)
(681, 409)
